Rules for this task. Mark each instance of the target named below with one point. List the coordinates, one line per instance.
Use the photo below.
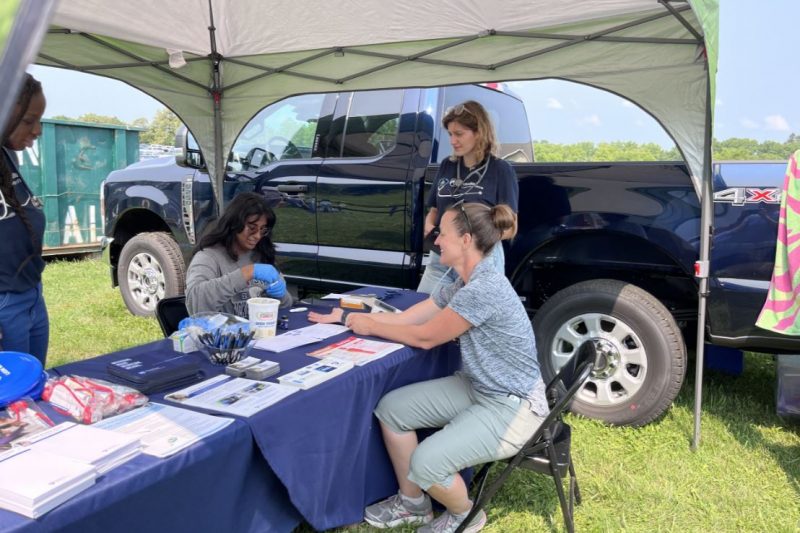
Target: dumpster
(65, 169)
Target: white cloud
(592, 120)
(639, 122)
(718, 103)
(628, 103)
(552, 103)
(776, 123)
(749, 124)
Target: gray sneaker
(394, 511)
(447, 523)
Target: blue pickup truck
(605, 251)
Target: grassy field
(745, 476)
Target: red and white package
(90, 400)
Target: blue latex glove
(266, 273)
(277, 289)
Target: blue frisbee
(21, 374)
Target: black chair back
(169, 313)
(568, 372)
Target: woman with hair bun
(24, 324)
(473, 173)
(490, 408)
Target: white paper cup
(263, 316)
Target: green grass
(744, 477)
(87, 316)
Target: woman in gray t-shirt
(489, 409)
(235, 260)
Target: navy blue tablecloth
(219, 484)
(323, 444)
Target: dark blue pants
(24, 323)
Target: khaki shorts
(476, 427)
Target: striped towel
(780, 312)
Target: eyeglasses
(458, 109)
(466, 218)
(254, 228)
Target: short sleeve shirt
(498, 353)
(491, 182)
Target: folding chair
(169, 313)
(548, 451)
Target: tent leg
(703, 266)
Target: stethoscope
(480, 172)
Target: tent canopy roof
(247, 54)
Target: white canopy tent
(216, 63)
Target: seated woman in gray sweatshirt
(234, 260)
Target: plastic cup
(263, 316)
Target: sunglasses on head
(460, 205)
(459, 109)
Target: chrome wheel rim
(146, 281)
(621, 364)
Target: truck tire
(641, 359)
(150, 268)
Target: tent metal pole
(706, 230)
(29, 28)
(218, 177)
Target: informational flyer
(357, 350)
(164, 429)
(237, 396)
(299, 337)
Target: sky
(757, 84)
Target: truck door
(279, 154)
(363, 190)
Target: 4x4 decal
(748, 195)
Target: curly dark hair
(242, 208)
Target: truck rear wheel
(150, 268)
(641, 354)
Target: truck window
(371, 126)
(283, 130)
(507, 114)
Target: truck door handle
(292, 188)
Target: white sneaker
(395, 511)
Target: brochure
(315, 373)
(237, 396)
(358, 351)
(33, 482)
(90, 445)
(300, 337)
(165, 430)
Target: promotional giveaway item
(151, 372)
(90, 400)
(23, 418)
(263, 316)
(20, 375)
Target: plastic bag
(22, 419)
(90, 400)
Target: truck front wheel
(150, 268)
(641, 358)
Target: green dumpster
(65, 169)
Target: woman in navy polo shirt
(23, 315)
(473, 174)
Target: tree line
(733, 149)
(161, 130)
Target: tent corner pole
(706, 230)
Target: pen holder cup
(220, 356)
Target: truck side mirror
(189, 154)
